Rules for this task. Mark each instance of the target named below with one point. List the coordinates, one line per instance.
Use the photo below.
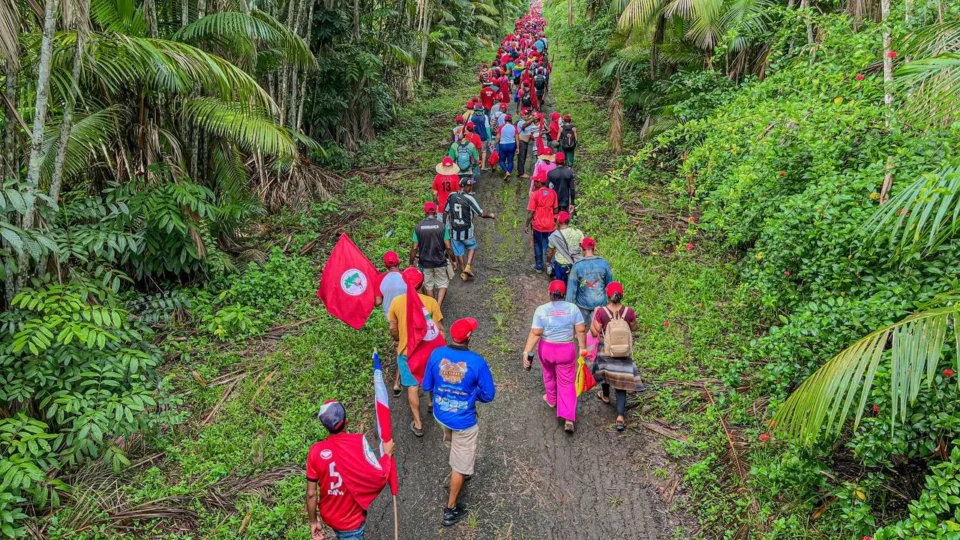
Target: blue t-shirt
(558, 320)
(458, 378)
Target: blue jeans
(507, 151)
(540, 246)
(356, 534)
(560, 271)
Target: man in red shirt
(445, 182)
(487, 95)
(345, 475)
(541, 210)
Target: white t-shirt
(558, 321)
(391, 286)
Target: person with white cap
(344, 477)
(458, 378)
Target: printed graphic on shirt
(353, 282)
(336, 480)
(432, 330)
(446, 404)
(591, 284)
(452, 372)
(326, 454)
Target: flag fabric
(384, 424)
(584, 380)
(423, 335)
(347, 283)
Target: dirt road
(533, 481)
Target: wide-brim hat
(547, 155)
(444, 168)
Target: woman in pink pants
(556, 325)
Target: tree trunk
(887, 60)
(285, 73)
(184, 13)
(569, 13)
(66, 124)
(39, 122)
(150, 13)
(11, 164)
(303, 85)
(615, 107)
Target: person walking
(613, 325)
(390, 284)
(458, 130)
(464, 154)
(481, 132)
(445, 182)
(460, 210)
(431, 245)
(398, 329)
(458, 378)
(344, 477)
(587, 280)
(556, 325)
(553, 131)
(507, 145)
(568, 139)
(541, 210)
(563, 246)
(560, 179)
(527, 127)
(545, 164)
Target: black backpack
(526, 100)
(568, 141)
(539, 82)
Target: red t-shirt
(475, 139)
(444, 185)
(543, 203)
(486, 97)
(349, 477)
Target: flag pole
(396, 520)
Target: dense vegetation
(151, 152)
(816, 143)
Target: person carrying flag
(458, 378)
(400, 328)
(344, 476)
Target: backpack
(617, 337)
(479, 120)
(568, 141)
(539, 82)
(464, 158)
(526, 100)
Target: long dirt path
(533, 481)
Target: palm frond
(640, 14)
(87, 136)
(238, 31)
(924, 215)
(10, 29)
(250, 128)
(821, 405)
(119, 16)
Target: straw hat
(547, 155)
(447, 166)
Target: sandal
(464, 276)
(600, 398)
(397, 391)
(413, 428)
(621, 426)
(547, 402)
(568, 426)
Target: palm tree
(821, 405)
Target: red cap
(470, 104)
(566, 118)
(540, 178)
(447, 161)
(560, 158)
(508, 118)
(412, 276)
(563, 217)
(429, 207)
(554, 115)
(613, 288)
(471, 125)
(459, 119)
(462, 328)
(504, 106)
(391, 259)
(557, 286)
(588, 243)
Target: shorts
(463, 448)
(435, 278)
(460, 247)
(356, 534)
(406, 376)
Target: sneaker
(536, 269)
(451, 516)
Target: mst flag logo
(353, 282)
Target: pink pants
(559, 361)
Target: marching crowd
(582, 335)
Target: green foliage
(936, 514)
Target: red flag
(347, 283)
(423, 335)
(384, 424)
